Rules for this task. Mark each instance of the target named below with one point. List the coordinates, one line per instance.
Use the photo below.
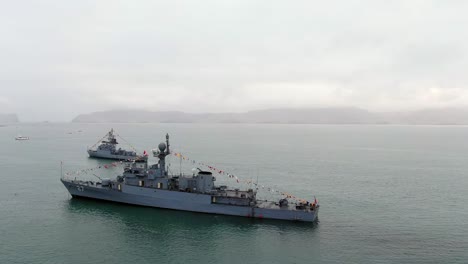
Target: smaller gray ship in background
(107, 149)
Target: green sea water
(388, 194)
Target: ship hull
(108, 155)
(183, 201)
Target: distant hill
(434, 116)
(8, 118)
(133, 116)
(339, 115)
(277, 116)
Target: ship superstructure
(151, 185)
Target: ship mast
(111, 138)
(161, 153)
(167, 143)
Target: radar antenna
(161, 153)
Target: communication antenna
(97, 176)
(258, 172)
(168, 151)
(180, 164)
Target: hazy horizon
(62, 58)
(304, 115)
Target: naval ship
(107, 149)
(151, 185)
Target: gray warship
(107, 149)
(151, 185)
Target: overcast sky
(62, 58)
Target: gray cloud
(62, 58)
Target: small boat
(21, 138)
